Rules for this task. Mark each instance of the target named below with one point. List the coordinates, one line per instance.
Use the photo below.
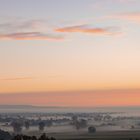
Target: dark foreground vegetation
(6, 136)
(24, 137)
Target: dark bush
(91, 129)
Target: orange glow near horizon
(76, 98)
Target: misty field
(62, 125)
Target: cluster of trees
(81, 123)
(24, 137)
(78, 123)
(17, 127)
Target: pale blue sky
(64, 45)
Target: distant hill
(57, 109)
(30, 108)
(25, 106)
(15, 106)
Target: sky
(70, 52)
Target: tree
(83, 123)
(27, 125)
(91, 129)
(74, 119)
(49, 123)
(17, 127)
(41, 126)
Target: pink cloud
(27, 30)
(30, 36)
(86, 29)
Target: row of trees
(18, 125)
(75, 121)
